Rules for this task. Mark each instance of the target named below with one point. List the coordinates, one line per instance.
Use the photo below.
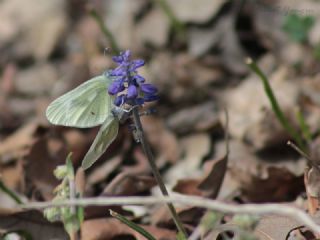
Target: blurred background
(195, 53)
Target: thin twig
(141, 138)
(255, 209)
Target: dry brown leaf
(32, 222)
(127, 184)
(13, 175)
(195, 11)
(34, 32)
(251, 116)
(211, 184)
(31, 81)
(274, 227)
(259, 179)
(104, 170)
(16, 144)
(45, 155)
(120, 16)
(195, 147)
(154, 28)
(163, 140)
(202, 117)
(188, 187)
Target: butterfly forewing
(88, 105)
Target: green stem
(132, 225)
(107, 33)
(10, 193)
(304, 126)
(142, 139)
(275, 105)
(178, 26)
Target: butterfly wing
(88, 105)
(106, 135)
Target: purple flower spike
(132, 91)
(126, 77)
(135, 64)
(119, 100)
(139, 79)
(148, 88)
(150, 98)
(115, 87)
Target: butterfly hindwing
(106, 135)
(88, 105)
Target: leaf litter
(197, 78)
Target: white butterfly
(88, 105)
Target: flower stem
(107, 33)
(141, 138)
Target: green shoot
(71, 217)
(132, 225)
(304, 126)
(275, 105)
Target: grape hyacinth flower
(129, 87)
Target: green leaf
(70, 170)
(298, 26)
(180, 236)
(275, 105)
(132, 225)
(105, 136)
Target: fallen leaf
(126, 184)
(188, 187)
(195, 11)
(163, 140)
(104, 170)
(120, 16)
(211, 185)
(45, 155)
(154, 28)
(31, 82)
(274, 227)
(202, 117)
(195, 147)
(32, 222)
(251, 116)
(16, 145)
(18, 26)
